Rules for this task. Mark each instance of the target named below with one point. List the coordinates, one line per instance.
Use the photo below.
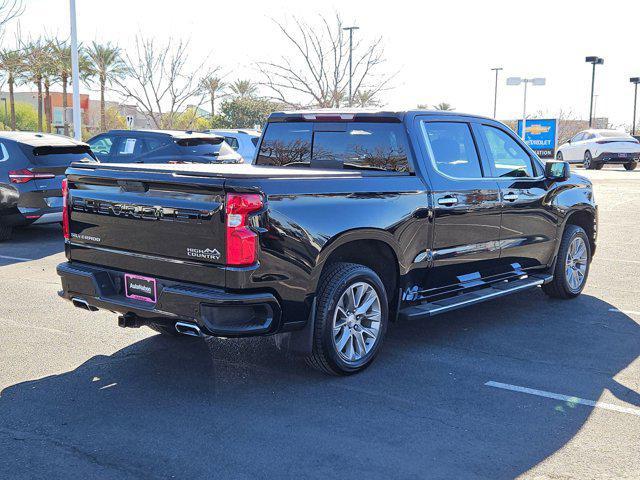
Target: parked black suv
(162, 146)
(346, 222)
(32, 167)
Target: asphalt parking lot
(505, 389)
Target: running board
(429, 309)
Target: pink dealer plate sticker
(140, 288)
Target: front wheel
(559, 156)
(630, 165)
(572, 265)
(351, 319)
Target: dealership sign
(541, 136)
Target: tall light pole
(536, 82)
(495, 92)
(75, 73)
(350, 29)
(635, 81)
(593, 61)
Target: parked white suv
(595, 148)
(243, 141)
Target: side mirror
(557, 170)
(569, 141)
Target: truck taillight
(65, 209)
(25, 175)
(241, 240)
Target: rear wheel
(572, 265)
(588, 160)
(5, 232)
(630, 165)
(598, 166)
(351, 319)
(559, 156)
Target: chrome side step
(429, 309)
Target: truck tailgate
(148, 223)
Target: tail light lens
(241, 240)
(65, 209)
(25, 175)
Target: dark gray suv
(32, 167)
(161, 146)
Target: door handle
(448, 201)
(510, 196)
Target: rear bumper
(215, 311)
(616, 159)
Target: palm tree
(444, 106)
(365, 98)
(107, 65)
(11, 63)
(213, 86)
(243, 88)
(36, 60)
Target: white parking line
(626, 312)
(19, 259)
(565, 398)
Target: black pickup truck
(344, 222)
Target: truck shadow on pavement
(32, 243)
(242, 409)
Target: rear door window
(232, 142)
(452, 149)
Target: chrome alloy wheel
(576, 263)
(356, 322)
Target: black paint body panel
(309, 214)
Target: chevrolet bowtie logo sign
(537, 129)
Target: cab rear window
(346, 146)
(204, 146)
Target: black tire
(588, 161)
(167, 330)
(333, 284)
(5, 233)
(559, 287)
(598, 166)
(559, 156)
(630, 165)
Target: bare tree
(9, 10)
(158, 79)
(316, 72)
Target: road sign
(129, 121)
(541, 135)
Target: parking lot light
(495, 92)
(536, 82)
(593, 61)
(635, 81)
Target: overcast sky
(442, 50)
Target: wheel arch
(373, 248)
(585, 218)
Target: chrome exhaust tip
(188, 329)
(82, 303)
